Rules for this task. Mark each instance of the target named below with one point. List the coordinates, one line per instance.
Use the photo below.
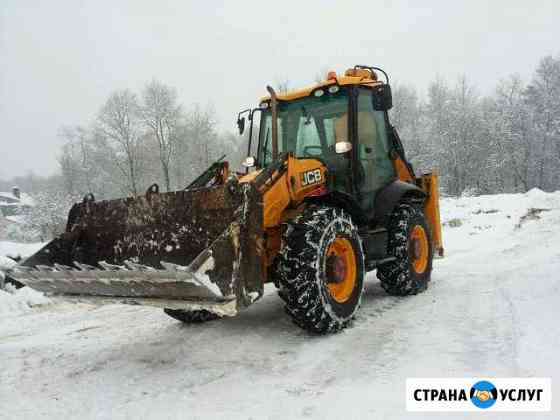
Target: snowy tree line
(138, 139)
(508, 141)
(134, 140)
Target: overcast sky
(59, 59)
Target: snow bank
(508, 208)
(14, 302)
(11, 251)
(5, 264)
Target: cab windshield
(308, 127)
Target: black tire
(191, 317)
(399, 277)
(302, 269)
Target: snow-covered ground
(18, 250)
(492, 309)
(14, 301)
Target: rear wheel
(410, 243)
(191, 317)
(321, 269)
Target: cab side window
(375, 167)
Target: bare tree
(407, 117)
(513, 136)
(162, 114)
(201, 137)
(543, 97)
(283, 86)
(118, 121)
(76, 161)
(68, 167)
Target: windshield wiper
(266, 138)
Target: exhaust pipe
(274, 109)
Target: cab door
(373, 164)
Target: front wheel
(410, 244)
(321, 269)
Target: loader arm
(284, 185)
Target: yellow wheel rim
(420, 249)
(341, 269)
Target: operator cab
(342, 122)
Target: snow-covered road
(492, 309)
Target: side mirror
(342, 146)
(249, 162)
(382, 98)
(241, 125)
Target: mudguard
(389, 196)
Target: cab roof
(364, 77)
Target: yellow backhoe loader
(327, 196)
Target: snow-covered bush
(15, 301)
(45, 220)
(470, 192)
(19, 232)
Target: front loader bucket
(196, 249)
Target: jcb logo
(310, 177)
